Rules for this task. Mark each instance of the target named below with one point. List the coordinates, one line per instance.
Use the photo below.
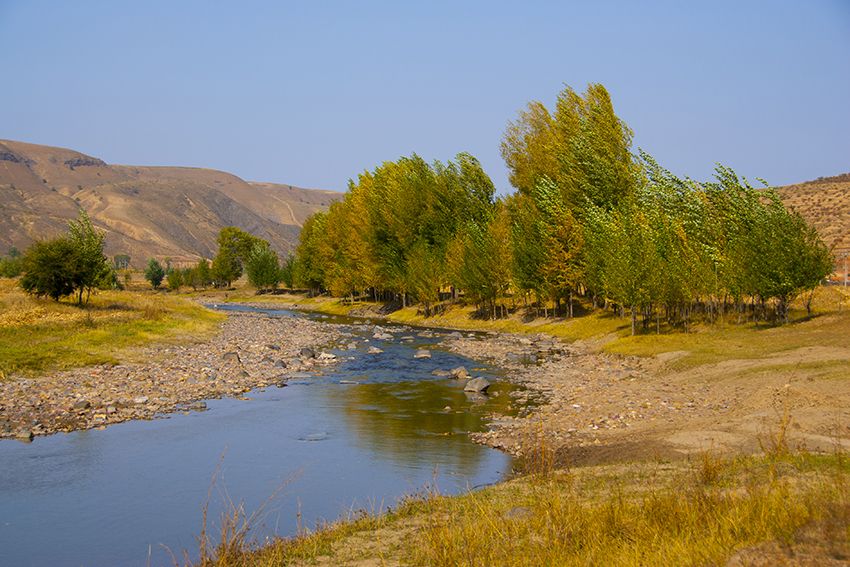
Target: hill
(825, 203)
(173, 212)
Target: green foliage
(46, 269)
(234, 246)
(173, 279)
(287, 271)
(72, 264)
(11, 267)
(121, 261)
(154, 273)
(262, 267)
(589, 218)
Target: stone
(273, 347)
(327, 356)
(374, 350)
(140, 400)
(82, 405)
(477, 385)
(25, 435)
(459, 373)
(422, 353)
(307, 353)
(111, 410)
(382, 336)
(231, 356)
(280, 364)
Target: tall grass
(697, 513)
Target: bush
(174, 279)
(70, 264)
(154, 273)
(48, 269)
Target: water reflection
(105, 496)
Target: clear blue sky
(311, 93)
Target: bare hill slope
(146, 212)
(825, 203)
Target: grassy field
(38, 335)
(698, 513)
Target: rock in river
(459, 373)
(477, 385)
(422, 353)
(307, 352)
(374, 350)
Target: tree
(234, 246)
(74, 263)
(262, 267)
(121, 261)
(154, 273)
(174, 279)
(89, 265)
(287, 271)
(46, 272)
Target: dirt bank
(601, 408)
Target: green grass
(38, 335)
(695, 513)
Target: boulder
(422, 353)
(374, 350)
(327, 356)
(307, 352)
(459, 373)
(477, 385)
(280, 364)
(81, 405)
(140, 400)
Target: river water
(318, 449)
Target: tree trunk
(634, 319)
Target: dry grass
(696, 513)
(37, 335)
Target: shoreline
(600, 408)
(249, 351)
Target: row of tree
(238, 252)
(590, 218)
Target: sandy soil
(600, 408)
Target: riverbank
(724, 445)
(247, 351)
(611, 397)
(777, 509)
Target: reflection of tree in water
(406, 422)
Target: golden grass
(38, 335)
(695, 513)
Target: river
(357, 435)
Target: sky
(313, 93)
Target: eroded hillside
(146, 212)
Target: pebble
(173, 378)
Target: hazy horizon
(311, 95)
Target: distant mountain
(146, 212)
(825, 203)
